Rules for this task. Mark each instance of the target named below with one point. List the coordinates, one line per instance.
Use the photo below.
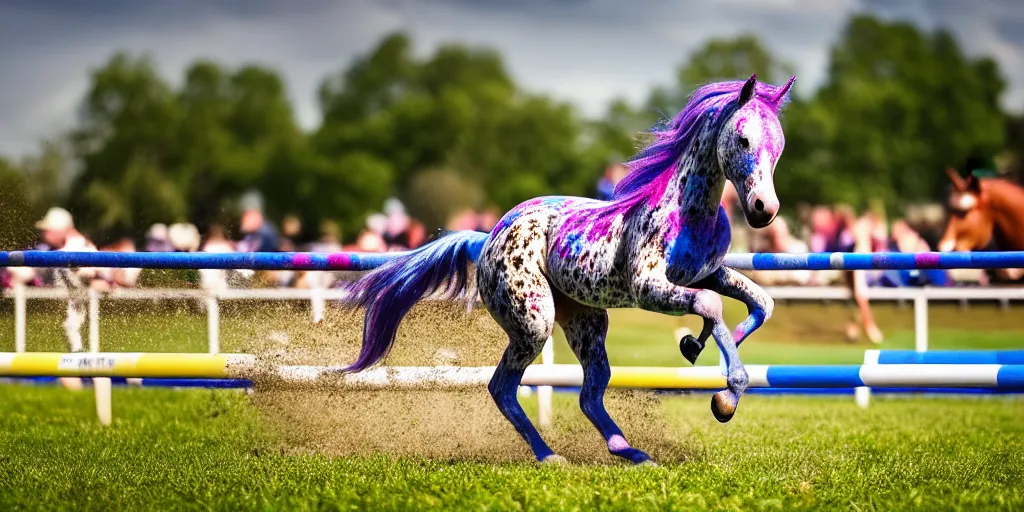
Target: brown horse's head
(970, 221)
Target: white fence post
(862, 395)
(921, 322)
(19, 318)
(316, 300)
(101, 385)
(213, 322)
(547, 356)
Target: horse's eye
(744, 142)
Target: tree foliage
(16, 225)
(904, 106)
(460, 110)
(453, 129)
(720, 59)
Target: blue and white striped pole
(366, 261)
(955, 358)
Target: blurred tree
(206, 141)
(1014, 156)
(371, 84)
(48, 175)
(458, 110)
(316, 187)
(150, 154)
(128, 202)
(719, 59)
(437, 194)
(17, 229)
(126, 145)
(232, 123)
(905, 105)
(614, 138)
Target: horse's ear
(973, 184)
(748, 89)
(958, 181)
(780, 97)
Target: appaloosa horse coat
(657, 244)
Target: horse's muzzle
(761, 211)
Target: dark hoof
(723, 405)
(632, 454)
(690, 348)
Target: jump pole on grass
(937, 358)
(244, 366)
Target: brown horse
(985, 212)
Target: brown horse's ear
(958, 181)
(973, 185)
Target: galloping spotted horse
(657, 244)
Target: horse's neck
(1007, 204)
(696, 188)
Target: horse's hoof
(723, 405)
(647, 463)
(690, 348)
(554, 460)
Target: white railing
(20, 294)
(919, 296)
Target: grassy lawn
(228, 450)
(208, 450)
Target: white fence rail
(919, 296)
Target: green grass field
(227, 450)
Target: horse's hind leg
(585, 329)
(504, 386)
(519, 299)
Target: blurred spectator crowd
(392, 229)
(836, 228)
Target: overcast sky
(582, 51)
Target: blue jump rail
(875, 261)
(1012, 357)
(357, 261)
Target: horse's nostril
(759, 205)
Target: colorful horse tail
(390, 291)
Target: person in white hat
(158, 239)
(184, 237)
(58, 233)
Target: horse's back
(571, 242)
(585, 260)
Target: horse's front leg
(735, 285)
(656, 293)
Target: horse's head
(749, 145)
(970, 222)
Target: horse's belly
(592, 280)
